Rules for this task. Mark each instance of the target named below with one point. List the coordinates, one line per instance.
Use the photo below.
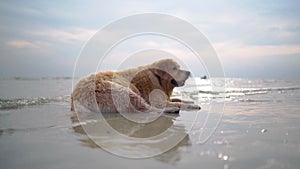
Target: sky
(252, 38)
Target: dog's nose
(188, 73)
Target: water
(259, 128)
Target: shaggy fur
(143, 89)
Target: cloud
(241, 31)
(20, 44)
(26, 47)
(71, 36)
(235, 50)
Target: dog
(145, 88)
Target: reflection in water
(174, 155)
(146, 131)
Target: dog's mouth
(177, 83)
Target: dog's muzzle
(178, 83)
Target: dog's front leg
(181, 101)
(183, 106)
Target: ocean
(256, 127)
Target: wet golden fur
(146, 88)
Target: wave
(250, 91)
(235, 93)
(242, 95)
(37, 78)
(6, 104)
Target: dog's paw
(190, 107)
(171, 110)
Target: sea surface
(255, 125)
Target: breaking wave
(6, 104)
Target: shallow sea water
(259, 128)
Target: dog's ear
(161, 73)
(160, 68)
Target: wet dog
(146, 88)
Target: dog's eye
(174, 68)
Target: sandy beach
(259, 129)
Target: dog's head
(170, 71)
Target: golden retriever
(146, 88)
